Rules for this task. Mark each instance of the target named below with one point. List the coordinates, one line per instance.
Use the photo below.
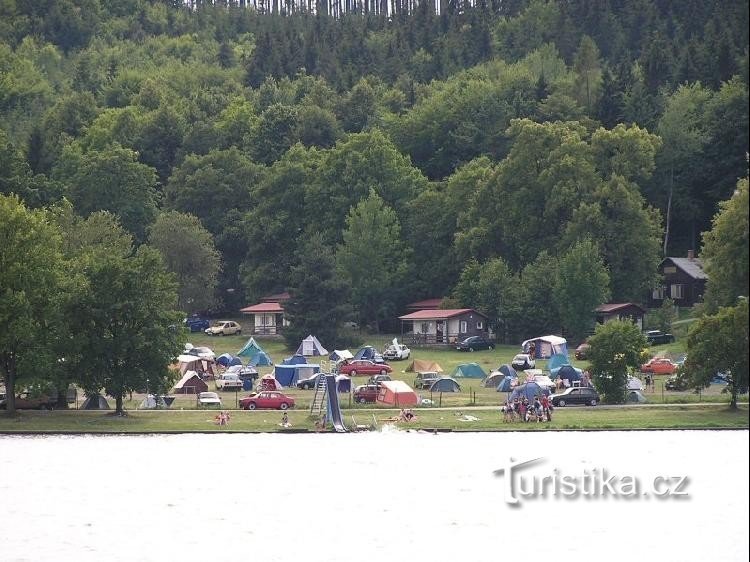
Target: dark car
(657, 337)
(474, 343)
(678, 381)
(309, 383)
(28, 401)
(582, 351)
(425, 380)
(366, 393)
(576, 395)
(196, 324)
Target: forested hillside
(486, 153)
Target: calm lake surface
(395, 496)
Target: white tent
(310, 346)
(546, 346)
(340, 355)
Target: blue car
(196, 324)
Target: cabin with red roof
(443, 327)
(268, 315)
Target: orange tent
(396, 393)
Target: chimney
(691, 255)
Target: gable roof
(615, 306)
(692, 266)
(262, 307)
(438, 314)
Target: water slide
(334, 408)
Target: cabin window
(480, 325)
(463, 327)
(425, 327)
(658, 294)
(670, 269)
(677, 291)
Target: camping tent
(199, 365)
(556, 361)
(546, 346)
(260, 359)
(396, 393)
(424, 366)
(257, 357)
(190, 383)
(268, 382)
(310, 346)
(224, 359)
(152, 402)
(446, 384)
(495, 377)
(288, 375)
(340, 355)
(294, 360)
(369, 353)
(634, 383)
(529, 390)
(95, 402)
(343, 383)
(568, 372)
(468, 371)
(538, 376)
(507, 384)
(635, 397)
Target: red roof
(262, 307)
(438, 314)
(615, 306)
(427, 304)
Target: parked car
(523, 361)
(245, 372)
(224, 328)
(659, 366)
(676, 382)
(309, 383)
(576, 395)
(208, 399)
(377, 379)
(29, 401)
(195, 323)
(582, 351)
(366, 393)
(656, 337)
(229, 381)
(475, 343)
(267, 400)
(364, 367)
(425, 380)
(202, 352)
(396, 352)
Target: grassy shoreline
(568, 419)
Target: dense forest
(516, 156)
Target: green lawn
(676, 417)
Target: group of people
(522, 409)
(406, 416)
(222, 418)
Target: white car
(209, 399)
(203, 352)
(229, 381)
(224, 328)
(396, 352)
(523, 361)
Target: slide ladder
(319, 399)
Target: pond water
(396, 496)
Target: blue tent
(294, 360)
(529, 390)
(235, 361)
(568, 372)
(445, 384)
(506, 384)
(469, 371)
(288, 375)
(557, 361)
(261, 359)
(343, 383)
(369, 353)
(250, 349)
(225, 359)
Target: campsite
(479, 387)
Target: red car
(659, 366)
(364, 367)
(366, 393)
(267, 400)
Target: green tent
(251, 350)
(468, 371)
